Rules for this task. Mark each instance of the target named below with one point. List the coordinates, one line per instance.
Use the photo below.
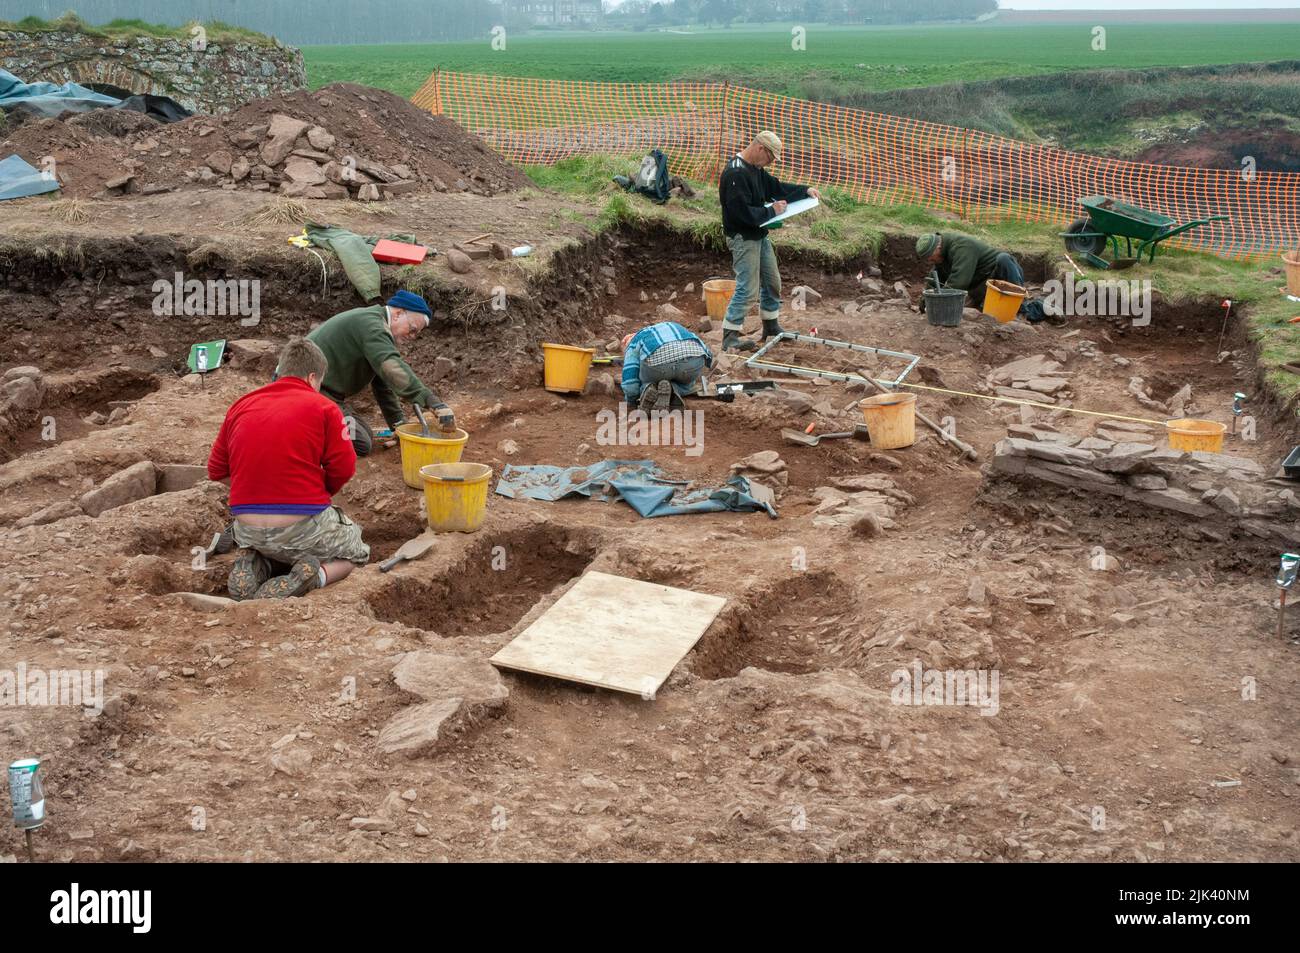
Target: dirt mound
(338, 142)
(1273, 150)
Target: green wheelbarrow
(1109, 220)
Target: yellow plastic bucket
(1002, 300)
(1292, 262)
(455, 496)
(1188, 433)
(566, 367)
(419, 451)
(891, 420)
(717, 295)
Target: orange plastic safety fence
(874, 157)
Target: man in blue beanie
(361, 347)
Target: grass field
(880, 58)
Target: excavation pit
(488, 590)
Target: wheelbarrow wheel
(1084, 244)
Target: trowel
(859, 432)
(411, 549)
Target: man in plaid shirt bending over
(659, 360)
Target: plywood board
(612, 632)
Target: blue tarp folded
(47, 99)
(639, 483)
(18, 179)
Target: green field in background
(878, 58)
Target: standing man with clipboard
(744, 191)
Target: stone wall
(218, 78)
(1215, 492)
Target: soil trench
(1156, 689)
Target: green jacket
(360, 350)
(967, 262)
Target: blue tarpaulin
(639, 483)
(19, 178)
(48, 100)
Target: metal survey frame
(800, 371)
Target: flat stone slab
(420, 729)
(435, 677)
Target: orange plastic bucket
(566, 367)
(1002, 300)
(1292, 262)
(1188, 433)
(891, 420)
(717, 296)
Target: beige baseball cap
(771, 141)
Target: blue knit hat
(410, 301)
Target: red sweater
(285, 449)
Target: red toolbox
(399, 253)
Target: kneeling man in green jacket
(361, 347)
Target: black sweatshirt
(743, 191)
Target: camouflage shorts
(327, 535)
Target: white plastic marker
(27, 794)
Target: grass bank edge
(848, 228)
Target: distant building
(555, 12)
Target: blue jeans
(754, 263)
(1005, 269)
(683, 373)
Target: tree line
(639, 14)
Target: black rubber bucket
(943, 308)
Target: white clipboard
(794, 208)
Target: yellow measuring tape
(996, 400)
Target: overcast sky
(1143, 4)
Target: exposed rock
(419, 729)
(764, 461)
(221, 161)
(435, 675)
(459, 261)
(1147, 481)
(204, 602)
(51, 514)
(602, 384)
(320, 138)
(1017, 394)
(1025, 368)
(281, 136)
(304, 171)
(293, 761)
(134, 483)
(1125, 457)
(23, 393)
(443, 367)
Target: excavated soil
(92, 149)
(1157, 696)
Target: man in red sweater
(285, 451)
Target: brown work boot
(247, 573)
(301, 579)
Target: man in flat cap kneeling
(361, 347)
